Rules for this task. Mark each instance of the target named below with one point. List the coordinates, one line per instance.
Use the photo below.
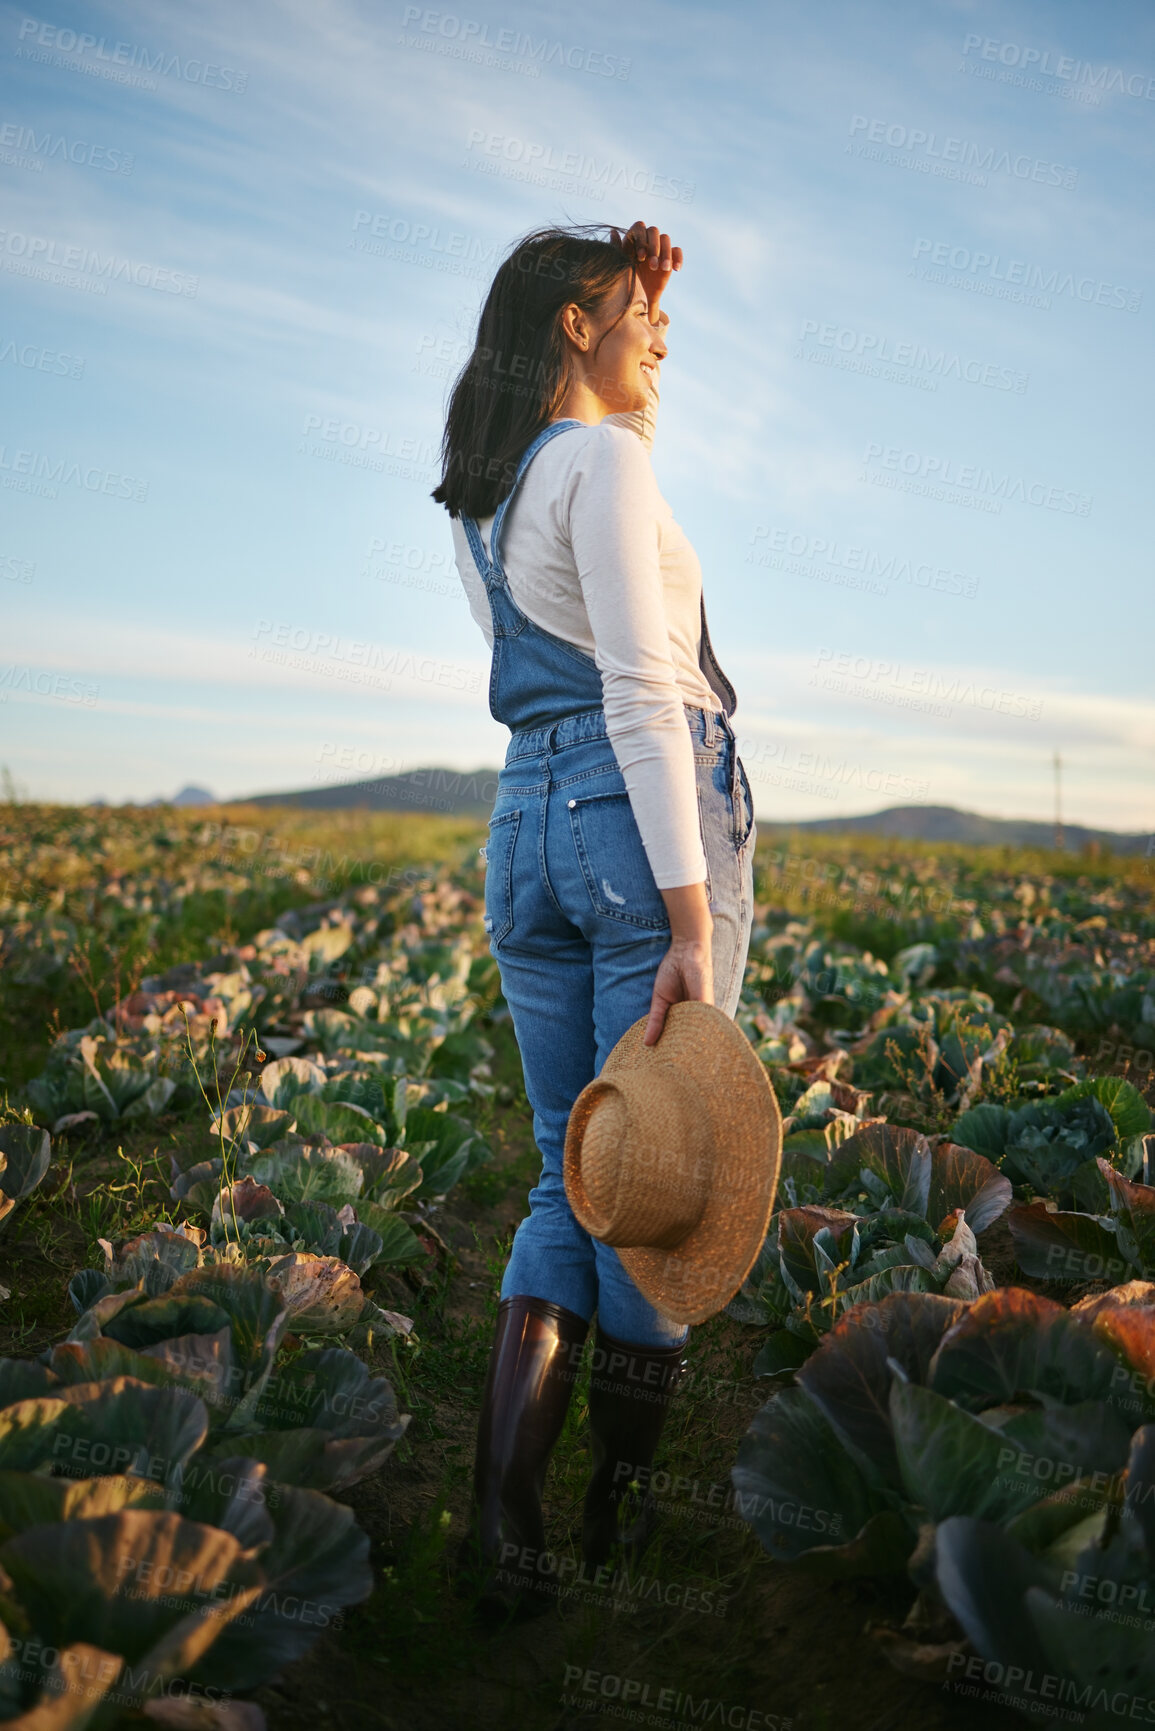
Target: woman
(619, 874)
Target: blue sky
(905, 414)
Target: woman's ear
(575, 326)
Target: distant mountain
(187, 796)
(470, 793)
(945, 823)
(451, 792)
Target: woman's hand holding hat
(672, 1157)
(684, 975)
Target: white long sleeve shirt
(593, 554)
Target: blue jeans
(578, 927)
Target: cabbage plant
(1116, 1245)
(318, 1418)
(334, 1201)
(247, 1214)
(93, 1070)
(313, 1162)
(133, 1555)
(942, 1042)
(355, 1105)
(1052, 1146)
(1075, 1612)
(883, 1212)
(1064, 1590)
(25, 1153)
(1010, 1410)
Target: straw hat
(671, 1157)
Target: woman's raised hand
(656, 260)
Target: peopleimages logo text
(1042, 61)
(47, 145)
(38, 252)
(944, 471)
(985, 158)
(919, 357)
(33, 471)
(472, 32)
(972, 261)
(162, 60)
(539, 158)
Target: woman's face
(622, 362)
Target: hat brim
(698, 1277)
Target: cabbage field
(263, 1144)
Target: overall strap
(491, 568)
(708, 662)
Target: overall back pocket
(613, 861)
(499, 874)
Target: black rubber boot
(631, 1390)
(533, 1367)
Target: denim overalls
(576, 922)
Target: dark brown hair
(518, 374)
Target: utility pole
(1058, 803)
